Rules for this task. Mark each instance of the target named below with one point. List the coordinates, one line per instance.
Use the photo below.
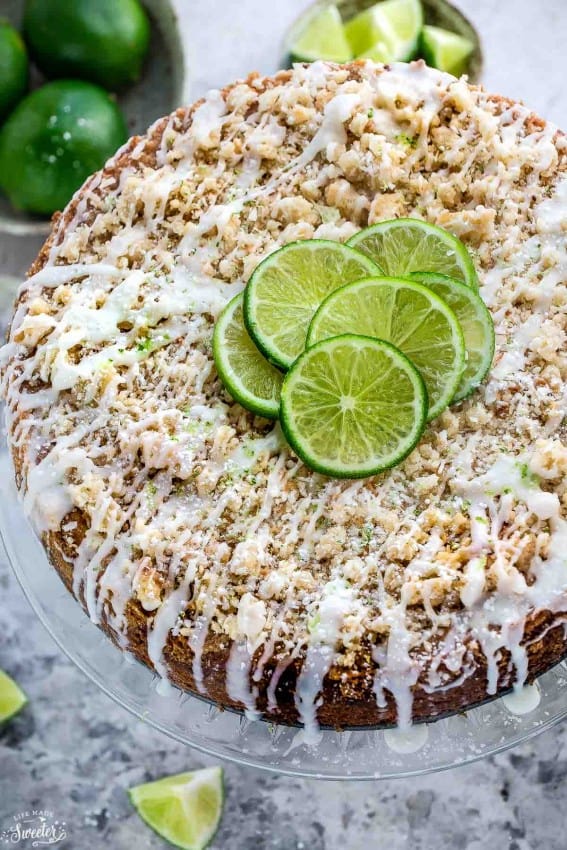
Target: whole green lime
(54, 139)
(103, 41)
(13, 68)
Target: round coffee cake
(185, 525)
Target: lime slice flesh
(322, 37)
(247, 375)
(185, 809)
(476, 324)
(445, 50)
(390, 29)
(407, 315)
(287, 287)
(353, 406)
(405, 245)
(12, 698)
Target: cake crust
(348, 694)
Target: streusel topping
(199, 510)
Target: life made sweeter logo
(35, 828)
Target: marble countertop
(73, 751)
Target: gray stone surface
(75, 752)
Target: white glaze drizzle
(406, 741)
(523, 701)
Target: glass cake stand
(357, 754)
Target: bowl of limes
(76, 80)
(387, 31)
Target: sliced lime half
(406, 314)
(185, 809)
(322, 36)
(353, 406)
(288, 286)
(12, 698)
(250, 379)
(390, 29)
(476, 324)
(445, 50)
(405, 245)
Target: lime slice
(352, 406)
(445, 50)
(321, 37)
(406, 314)
(476, 324)
(406, 245)
(184, 809)
(245, 372)
(12, 698)
(392, 27)
(288, 286)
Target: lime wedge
(406, 245)
(381, 52)
(406, 314)
(321, 37)
(12, 698)
(352, 406)
(288, 286)
(445, 50)
(184, 809)
(390, 29)
(476, 324)
(250, 379)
